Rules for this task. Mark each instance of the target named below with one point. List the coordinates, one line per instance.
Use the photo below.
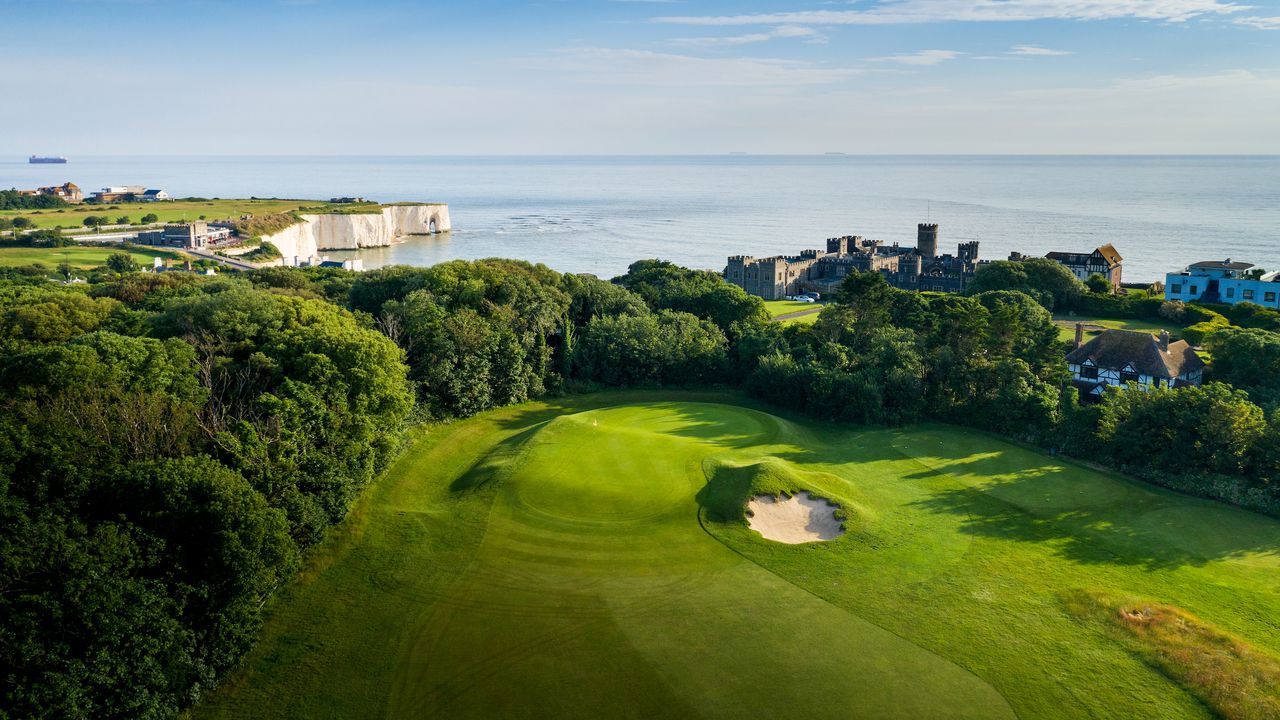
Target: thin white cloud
(1036, 50)
(606, 66)
(924, 57)
(1261, 23)
(895, 12)
(783, 31)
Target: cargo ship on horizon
(34, 160)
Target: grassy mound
(730, 485)
(1234, 678)
(255, 227)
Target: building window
(1175, 289)
(1248, 294)
(1128, 376)
(1193, 290)
(1269, 297)
(1231, 292)
(1088, 372)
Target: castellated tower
(927, 240)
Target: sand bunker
(801, 518)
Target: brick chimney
(1164, 340)
(1079, 335)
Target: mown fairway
(77, 256)
(784, 308)
(587, 559)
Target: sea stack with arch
(353, 230)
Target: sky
(497, 77)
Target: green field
(177, 211)
(785, 307)
(78, 256)
(587, 558)
(1067, 326)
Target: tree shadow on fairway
(492, 466)
(1090, 517)
(1005, 492)
(527, 416)
(728, 426)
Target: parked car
(813, 296)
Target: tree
(1185, 431)
(666, 286)
(96, 221)
(149, 218)
(866, 294)
(48, 237)
(123, 220)
(121, 262)
(1098, 284)
(1050, 283)
(22, 223)
(1248, 359)
(667, 346)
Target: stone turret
(927, 240)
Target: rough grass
(264, 252)
(257, 226)
(561, 559)
(1235, 679)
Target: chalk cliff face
(348, 232)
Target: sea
(599, 214)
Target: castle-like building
(917, 268)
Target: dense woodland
(171, 445)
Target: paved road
(797, 314)
(229, 262)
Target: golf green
(588, 558)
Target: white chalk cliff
(358, 230)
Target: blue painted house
(1224, 281)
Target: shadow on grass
(488, 470)
(1100, 534)
(1083, 515)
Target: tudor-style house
(1118, 358)
(1104, 260)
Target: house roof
(1068, 258)
(1221, 265)
(1114, 349)
(1109, 253)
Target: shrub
(1173, 310)
(1196, 334)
